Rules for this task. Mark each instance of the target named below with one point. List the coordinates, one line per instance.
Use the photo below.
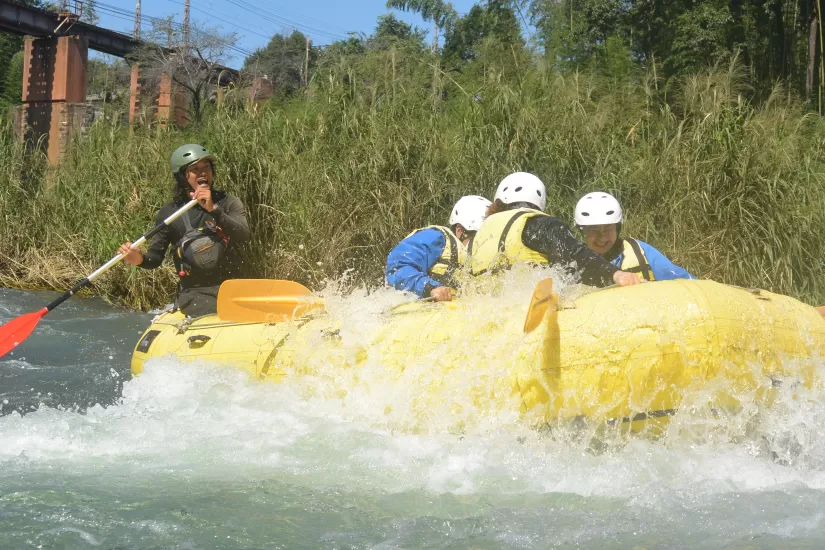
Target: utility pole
(134, 79)
(186, 25)
(306, 64)
(136, 32)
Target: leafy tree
(13, 81)
(441, 13)
(775, 38)
(700, 37)
(493, 21)
(88, 12)
(574, 31)
(9, 46)
(355, 45)
(282, 60)
(108, 78)
(390, 28)
(194, 66)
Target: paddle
(271, 301)
(18, 329)
(543, 298)
(264, 300)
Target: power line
(119, 13)
(307, 29)
(126, 15)
(316, 22)
(275, 18)
(227, 22)
(114, 11)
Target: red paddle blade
(17, 330)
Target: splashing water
(196, 456)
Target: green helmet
(188, 154)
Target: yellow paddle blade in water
(543, 299)
(264, 300)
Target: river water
(194, 456)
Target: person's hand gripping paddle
(15, 331)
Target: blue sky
(256, 21)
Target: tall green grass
(386, 142)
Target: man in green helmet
(205, 239)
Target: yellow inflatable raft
(620, 355)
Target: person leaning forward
(517, 230)
(205, 239)
(599, 217)
(427, 260)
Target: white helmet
(469, 211)
(598, 208)
(522, 187)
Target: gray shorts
(198, 301)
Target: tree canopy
(282, 60)
(776, 39)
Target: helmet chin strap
(615, 250)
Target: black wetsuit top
(230, 216)
(553, 238)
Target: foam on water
(208, 420)
(186, 431)
(191, 454)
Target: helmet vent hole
(610, 212)
(187, 154)
(518, 189)
(538, 192)
(585, 213)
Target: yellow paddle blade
(264, 300)
(543, 299)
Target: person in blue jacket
(427, 260)
(599, 217)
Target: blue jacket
(410, 262)
(663, 269)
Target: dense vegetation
(725, 178)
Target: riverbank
(731, 190)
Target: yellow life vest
(497, 245)
(635, 261)
(452, 257)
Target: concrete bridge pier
(173, 103)
(54, 92)
(134, 95)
